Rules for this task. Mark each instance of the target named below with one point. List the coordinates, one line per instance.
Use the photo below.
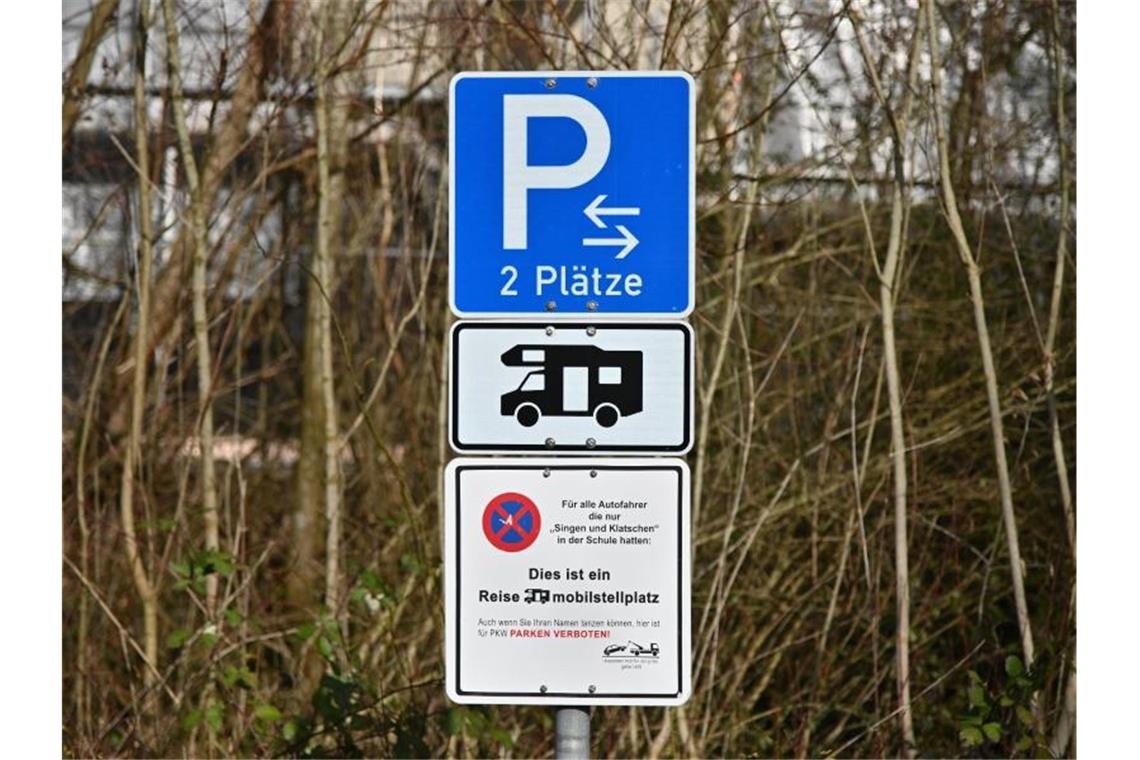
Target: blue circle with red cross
(511, 522)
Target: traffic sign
(595, 609)
(611, 387)
(572, 193)
(511, 522)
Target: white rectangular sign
(567, 581)
(609, 387)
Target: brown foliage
(794, 588)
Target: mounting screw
(591, 331)
(549, 443)
(593, 688)
(593, 473)
(549, 330)
(591, 443)
(550, 84)
(542, 689)
(546, 472)
(551, 306)
(591, 305)
(592, 82)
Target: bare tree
(132, 459)
(331, 144)
(974, 275)
(888, 273)
(254, 274)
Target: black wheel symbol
(606, 415)
(527, 415)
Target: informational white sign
(567, 581)
(606, 388)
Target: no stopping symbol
(511, 522)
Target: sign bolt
(591, 331)
(591, 305)
(591, 443)
(551, 306)
(592, 82)
(542, 689)
(593, 473)
(549, 443)
(549, 330)
(550, 84)
(546, 472)
(593, 688)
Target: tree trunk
(1066, 723)
(331, 148)
(132, 453)
(199, 214)
(888, 296)
(974, 276)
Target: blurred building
(821, 115)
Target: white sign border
(568, 315)
(569, 448)
(451, 572)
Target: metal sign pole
(572, 733)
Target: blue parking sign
(572, 194)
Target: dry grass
(794, 635)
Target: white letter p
(519, 176)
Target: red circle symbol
(511, 522)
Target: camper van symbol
(573, 381)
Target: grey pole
(572, 733)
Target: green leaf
(1005, 701)
(454, 721)
(214, 716)
(233, 618)
(502, 736)
(325, 647)
(992, 731)
(1013, 666)
(213, 561)
(973, 674)
(971, 736)
(373, 582)
(1024, 743)
(475, 722)
(410, 563)
(191, 720)
(209, 636)
(1024, 715)
(289, 731)
(267, 713)
(976, 695)
(176, 638)
(240, 677)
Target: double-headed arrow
(594, 212)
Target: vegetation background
(254, 306)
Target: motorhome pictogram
(573, 381)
